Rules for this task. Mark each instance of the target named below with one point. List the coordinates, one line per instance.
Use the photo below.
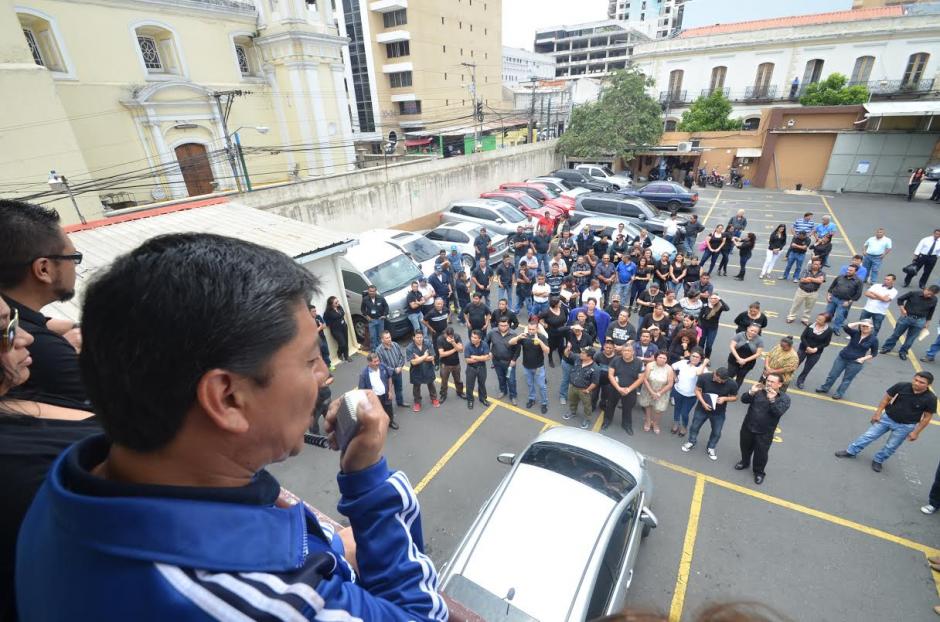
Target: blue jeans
(543, 261)
(416, 324)
(934, 348)
(684, 405)
(536, 378)
(795, 261)
(375, 333)
(872, 263)
(839, 311)
(708, 339)
(709, 255)
(899, 432)
(396, 382)
(848, 368)
(504, 293)
(876, 320)
(698, 418)
(565, 379)
(622, 290)
(908, 325)
(636, 288)
(506, 375)
(538, 307)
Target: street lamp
(261, 129)
(59, 183)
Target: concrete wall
(384, 198)
(799, 159)
(877, 162)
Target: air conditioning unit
(684, 147)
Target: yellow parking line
(934, 574)
(776, 334)
(685, 562)
(454, 449)
(712, 208)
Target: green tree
(833, 92)
(709, 114)
(623, 118)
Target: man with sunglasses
(37, 267)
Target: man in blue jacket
(172, 515)
(376, 377)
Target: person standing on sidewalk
(626, 270)
(916, 311)
(712, 394)
(844, 290)
(822, 230)
(477, 315)
(375, 309)
(476, 353)
(925, 258)
(421, 358)
(862, 347)
(393, 357)
(449, 348)
(914, 183)
(739, 222)
(601, 394)
(807, 292)
(583, 379)
(879, 298)
(904, 411)
(533, 363)
(505, 353)
(505, 279)
(778, 239)
(813, 341)
(766, 404)
(481, 277)
(377, 377)
(877, 247)
(626, 375)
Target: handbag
(910, 269)
(702, 245)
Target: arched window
(670, 125)
(718, 79)
(765, 73)
(751, 123)
(813, 71)
(861, 73)
(41, 39)
(914, 72)
(675, 84)
(246, 56)
(158, 50)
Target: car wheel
(467, 263)
(361, 328)
(673, 206)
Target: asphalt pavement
(821, 539)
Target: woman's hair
(752, 237)
(329, 302)
(686, 333)
(779, 227)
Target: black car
(578, 179)
(665, 194)
(616, 205)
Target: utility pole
(548, 124)
(533, 82)
(224, 110)
(477, 105)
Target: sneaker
(585, 424)
(927, 359)
(416, 408)
(844, 454)
(436, 403)
(513, 401)
(687, 447)
(502, 396)
(544, 409)
(928, 509)
(332, 366)
(712, 455)
(876, 466)
(529, 403)
(566, 415)
(562, 401)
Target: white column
(270, 74)
(319, 114)
(299, 96)
(174, 175)
(342, 103)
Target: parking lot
(821, 539)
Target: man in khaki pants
(807, 292)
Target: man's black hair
(27, 232)
(162, 316)
(926, 375)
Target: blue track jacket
(128, 552)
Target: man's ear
(221, 395)
(41, 269)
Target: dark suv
(615, 205)
(578, 179)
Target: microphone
(317, 440)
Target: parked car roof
(491, 203)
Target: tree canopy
(833, 92)
(709, 114)
(623, 118)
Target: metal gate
(877, 162)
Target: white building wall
(520, 65)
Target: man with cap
(766, 403)
(712, 394)
(862, 347)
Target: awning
(902, 109)
(418, 142)
(748, 152)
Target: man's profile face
(919, 384)
(63, 281)
(386, 339)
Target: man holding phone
(766, 404)
(533, 363)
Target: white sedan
(461, 235)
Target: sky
(521, 18)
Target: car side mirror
(642, 216)
(507, 459)
(648, 518)
(500, 221)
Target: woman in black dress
(335, 318)
(729, 245)
(815, 338)
(713, 246)
(753, 315)
(555, 321)
(745, 250)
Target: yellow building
(135, 100)
(412, 63)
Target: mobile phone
(347, 422)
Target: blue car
(664, 194)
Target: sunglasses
(9, 332)
(76, 257)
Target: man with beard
(37, 267)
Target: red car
(542, 193)
(547, 215)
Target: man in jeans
(807, 292)
(712, 394)
(904, 411)
(795, 255)
(862, 347)
(533, 363)
(583, 379)
(877, 248)
(414, 303)
(844, 290)
(505, 279)
(449, 348)
(879, 297)
(375, 309)
(916, 310)
(393, 357)
(505, 353)
(626, 270)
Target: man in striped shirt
(804, 225)
(392, 356)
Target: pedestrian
(823, 229)
(683, 391)
(503, 311)
(583, 379)
(713, 245)
(933, 501)
(505, 279)
(914, 183)
(692, 228)
(520, 242)
(377, 378)
(480, 278)
(541, 242)
(606, 273)
(524, 282)
(877, 247)
(504, 356)
(708, 318)
(775, 244)
(862, 347)
(476, 354)
(640, 280)
(614, 307)
(804, 225)
(555, 321)
(602, 245)
(621, 331)
(739, 222)
(421, 359)
(414, 302)
(601, 393)
(435, 321)
(658, 317)
(766, 404)
(745, 250)
(335, 318)
(843, 291)
(584, 240)
(477, 315)
(393, 357)
(822, 248)
(782, 361)
(753, 315)
(321, 336)
(481, 246)
(807, 292)
(661, 271)
(449, 347)
(576, 340)
(904, 411)
(626, 376)
(598, 318)
(925, 258)
(916, 311)
(795, 255)
(713, 392)
(813, 341)
(657, 386)
(693, 272)
(730, 236)
(878, 299)
(677, 270)
(858, 261)
(533, 351)
(745, 348)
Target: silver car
(631, 231)
(558, 538)
(461, 235)
(496, 216)
(603, 173)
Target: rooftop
(795, 21)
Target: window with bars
(150, 52)
(718, 78)
(33, 47)
(395, 18)
(243, 65)
(399, 79)
(42, 42)
(914, 72)
(409, 108)
(397, 49)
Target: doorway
(195, 167)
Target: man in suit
(766, 404)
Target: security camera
(791, 123)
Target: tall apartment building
(594, 48)
(411, 62)
(521, 65)
(661, 18)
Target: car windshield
(393, 275)
(607, 171)
(590, 469)
(421, 249)
(549, 192)
(528, 201)
(510, 214)
(484, 603)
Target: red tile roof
(796, 20)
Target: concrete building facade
(593, 48)
(521, 65)
(658, 18)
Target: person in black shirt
(541, 241)
(904, 411)
(503, 311)
(448, 349)
(481, 246)
(745, 250)
(602, 246)
(321, 328)
(414, 301)
(753, 315)
(375, 309)
(712, 393)
(533, 363)
(505, 278)
(813, 341)
(649, 298)
(625, 375)
(481, 277)
(476, 353)
(435, 320)
(601, 392)
(555, 320)
(477, 315)
(504, 354)
(461, 295)
(335, 318)
(766, 404)
(521, 242)
(916, 311)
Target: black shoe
(822, 390)
(404, 405)
(484, 402)
(528, 403)
(844, 454)
(837, 397)
(799, 385)
(393, 425)
(740, 466)
(884, 350)
(462, 395)
(551, 363)
(758, 478)
(876, 466)
(470, 404)
(902, 356)
(544, 409)
(629, 431)
(442, 399)
(739, 278)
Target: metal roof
(902, 109)
(103, 241)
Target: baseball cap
(453, 247)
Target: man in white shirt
(925, 257)
(540, 293)
(377, 378)
(877, 248)
(879, 297)
(671, 227)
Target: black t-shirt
(626, 373)
(442, 344)
(909, 406)
(477, 314)
(603, 363)
(54, 377)
(692, 274)
(646, 297)
(28, 447)
(437, 319)
(742, 321)
(413, 297)
(707, 384)
(520, 251)
(483, 278)
(620, 334)
(556, 323)
(505, 273)
(532, 355)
